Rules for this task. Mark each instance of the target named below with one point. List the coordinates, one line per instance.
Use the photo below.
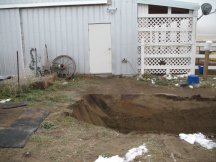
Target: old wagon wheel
(64, 66)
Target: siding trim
(73, 3)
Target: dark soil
(158, 113)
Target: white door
(100, 48)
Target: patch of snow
(214, 78)
(134, 152)
(152, 81)
(190, 86)
(64, 83)
(198, 138)
(110, 159)
(170, 77)
(139, 77)
(177, 85)
(5, 100)
(190, 138)
(129, 156)
(182, 76)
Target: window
(153, 9)
(179, 11)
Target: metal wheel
(64, 66)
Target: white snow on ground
(110, 159)
(198, 138)
(152, 81)
(190, 86)
(170, 77)
(129, 156)
(174, 77)
(5, 100)
(134, 152)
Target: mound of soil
(143, 113)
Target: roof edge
(52, 4)
(171, 3)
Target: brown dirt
(8, 116)
(156, 113)
(72, 140)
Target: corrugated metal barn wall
(124, 36)
(65, 31)
(10, 42)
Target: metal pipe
(36, 66)
(18, 75)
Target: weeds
(214, 150)
(47, 124)
(65, 120)
(8, 89)
(106, 155)
(40, 139)
(28, 92)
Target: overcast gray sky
(207, 24)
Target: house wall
(65, 31)
(10, 42)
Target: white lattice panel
(145, 35)
(165, 37)
(163, 71)
(155, 71)
(165, 43)
(163, 50)
(165, 22)
(167, 61)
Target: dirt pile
(160, 113)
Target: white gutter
(51, 4)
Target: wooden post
(142, 57)
(205, 74)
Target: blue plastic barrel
(201, 69)
(193, 79)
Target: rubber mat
(18, 133)
(11, 105)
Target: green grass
(106, 155)
(214, 150)
(31, 94)
(40, 139)
(47, 125)
(66, 121)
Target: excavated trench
(159, 113)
